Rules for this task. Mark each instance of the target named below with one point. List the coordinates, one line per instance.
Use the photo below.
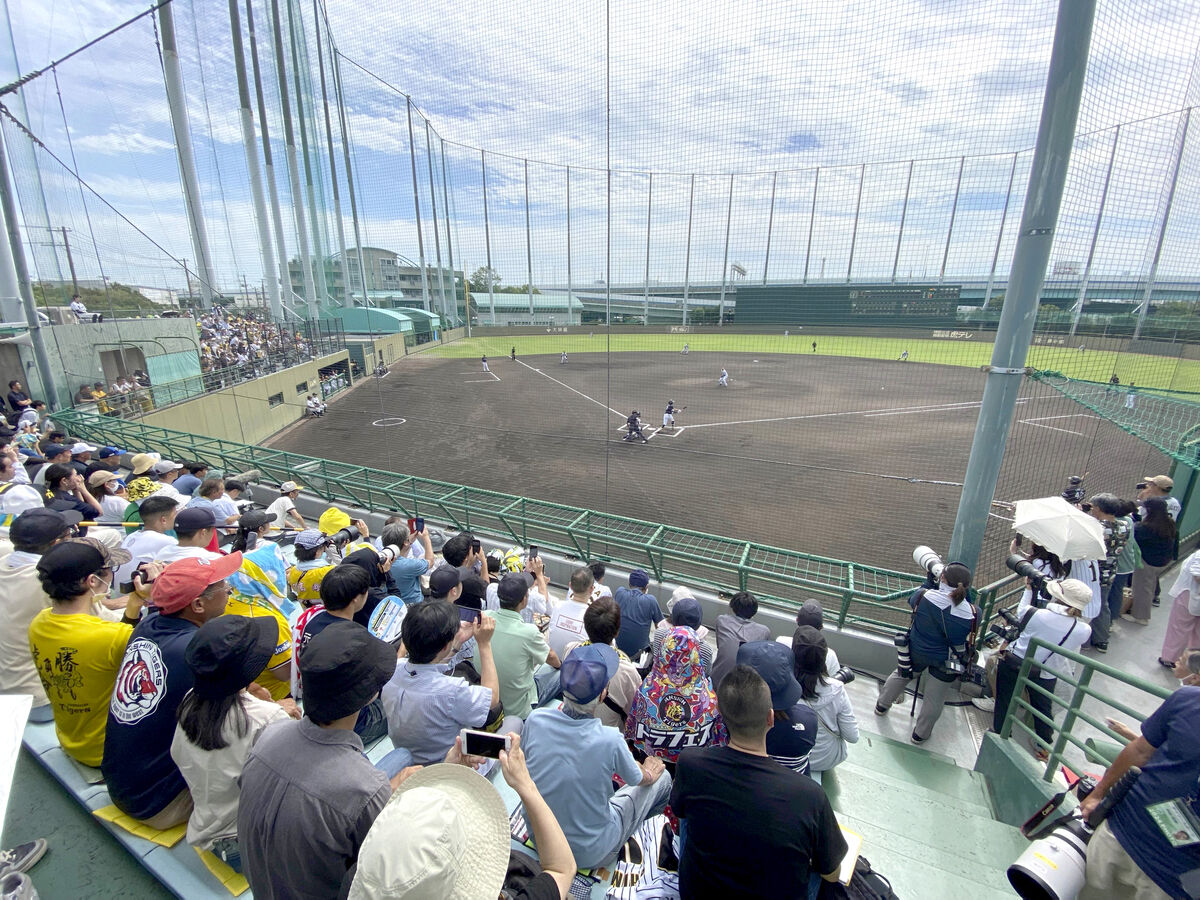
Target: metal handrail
(868, 597)
(1081, 690)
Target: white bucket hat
(1070, 592)
(443, 834)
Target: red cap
(184, 580)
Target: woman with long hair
(1157, 537)
(939, 643)
(65, 490)
(1045, 562)
(252, 528)
(836, 725)
(218, 722)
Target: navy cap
(687, 611)
(195, 518)
(106, 452)
(39, 525)
(639, 578)
(586, 672)
(774, 662)
(443, 580)
(514, 586)
(52, 450)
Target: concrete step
(924, 871)
(921, 823)
(947, 785)
(869, 742)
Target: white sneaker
(987, 704)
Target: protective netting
(820, 199)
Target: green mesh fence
(865, 596)
(1167, 420)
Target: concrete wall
(74, 350)
(242, 413)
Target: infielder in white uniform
(723, 381)
(485, 365)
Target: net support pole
(285, 275)
(344, 128)
(261, 222)
(412, 159)
(437, 239)
(770, 227)
(14, 267)
(289, 141)
(529, 248)
(177, 108)
(646, 278)
(449, 249)
(1051, 155)
(862, 176)
(987, 294)
(812, 217)
(687, 259)
(725, 260)
(1152, 275)
(570, 280)
(11, 302)
(487, 240)
(953, 215)
(306, 158)
(903, 217)
(333, 174)
(1087, 268)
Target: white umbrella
(1066, 531)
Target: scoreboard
(933, 305)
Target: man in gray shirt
(308, 793)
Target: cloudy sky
(757, 99)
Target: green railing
(1081, 690)
(867, 597)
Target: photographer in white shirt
(1060, 623)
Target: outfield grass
(1093, 365)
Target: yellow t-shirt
(243, 605)
(305, 584)
(77, 657)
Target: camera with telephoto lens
(903, 655)
(1026, 569)
(347, 534)
(845, 675)
(1054, 867)
(389, 554)
(1006, 632)
(928, 559)
(1074, 493)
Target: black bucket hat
(229, 652)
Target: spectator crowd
(229, 341)
(335, 713)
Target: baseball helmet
(513, 560)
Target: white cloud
(705, 86)
(113, 142)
